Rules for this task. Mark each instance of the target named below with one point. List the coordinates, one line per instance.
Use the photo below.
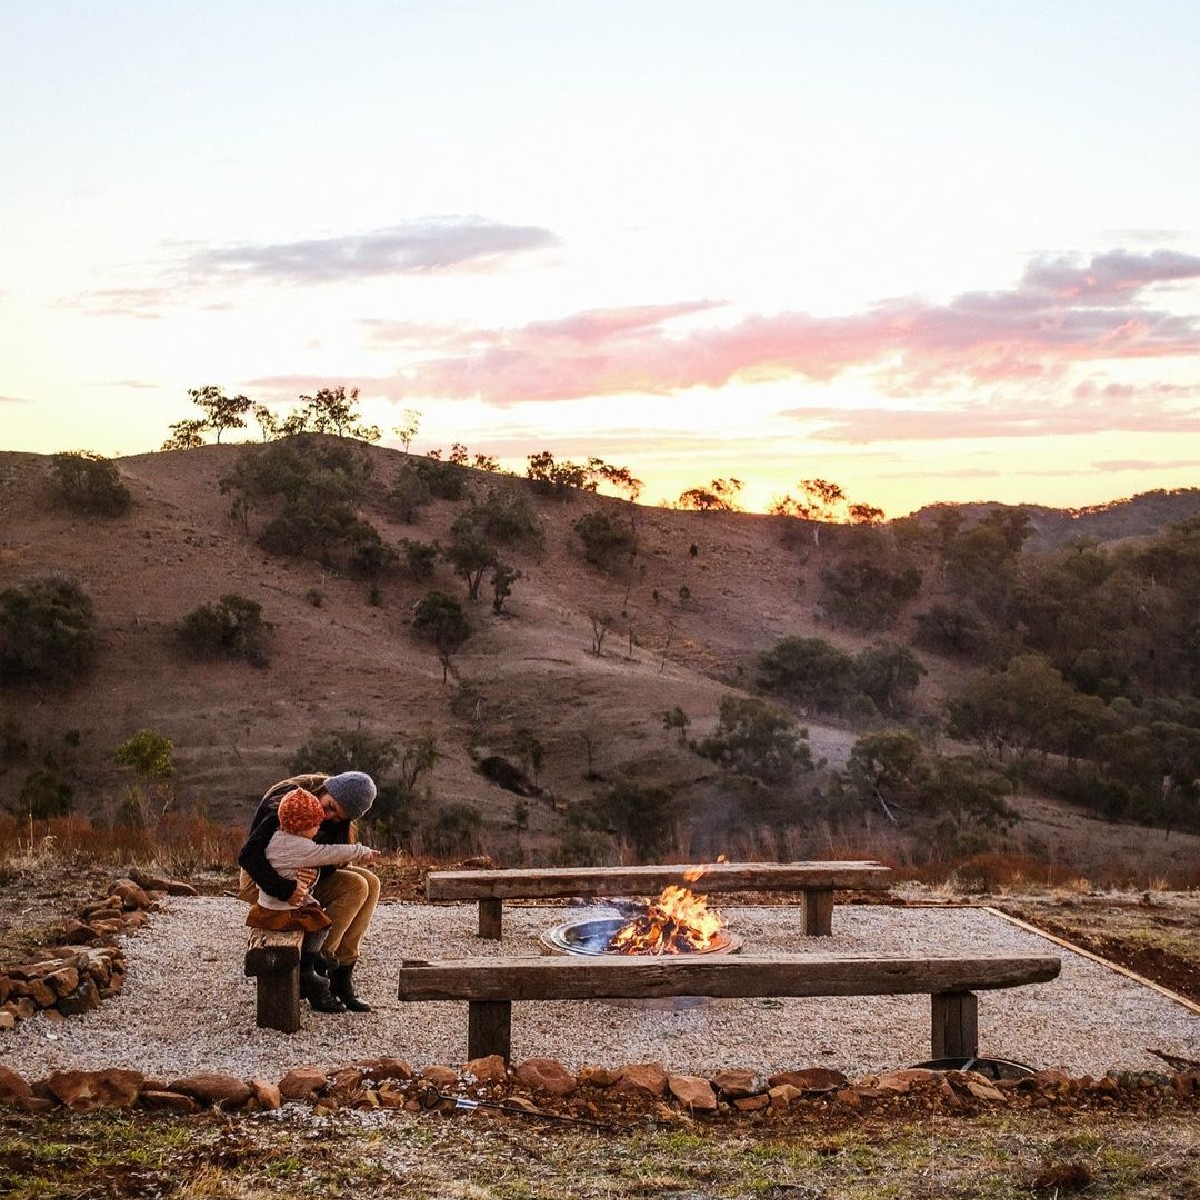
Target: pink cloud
(1060, 314)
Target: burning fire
(678, 922)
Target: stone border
(544, 1087)
(88, 966)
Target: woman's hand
(299, 895)
(307, 876)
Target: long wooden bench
(275, 959)
(815, 881)
(490, 985)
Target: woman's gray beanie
(353, 790)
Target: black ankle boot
(325, 964)
(342, 985)
(315, 988)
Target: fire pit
(595, 936)
(678, 922)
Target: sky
(930, 251)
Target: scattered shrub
(45, 794)
(408, 494)
(608, 540)
(90, 483)
(753, 738)
(420, 558)
(47, 632)
(231, 628)
(445, 480)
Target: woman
(348, 894)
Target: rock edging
(540, 1086)
(87, 966)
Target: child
(290, 848)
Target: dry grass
(476, 1157)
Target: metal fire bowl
(591, 937)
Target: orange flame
(678, 922)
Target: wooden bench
(816, 881)
(275, 959)
(490, 985)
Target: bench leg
(489, 1028)
(818, 912)
(491, 913)
(279, 999)
(955, 1025)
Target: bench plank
(725, 976)
(815, 880)
(491, 985)
(544, 883)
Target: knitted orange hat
(299, 810)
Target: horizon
(919, 255)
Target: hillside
(708, 593)
(1138, 516)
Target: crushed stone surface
(186, 1006)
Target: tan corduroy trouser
(348, 896)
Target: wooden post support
(818, 912)
(489, 1029)
(274, 958)
(491, 917)
(955, 1025)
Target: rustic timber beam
(546, 883)
(614, 977)
(491, 985)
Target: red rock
(302, 1083)
(545, 1075)
(649, 1078)
(489, 1070)
(148, 882)
(13, 1087)
(63, 981)
(77, 933)
(344, 1081)
(439, 1076)
(386, 1068)
(693, 1093)
(783, 1095)
(6, 986)
(167, 1101)
(177, 887)
(21, 1007)
(38, 990)
(130, 895)
(984, 1091)
(211, 1088)
(735, 1083)
(811, 1079)
(601, 1077)
(266, 1094)
(751, 1103)
(84, 998)
(83, 1090)
(901, 1081)
(1043, 1078)
(8, 1020)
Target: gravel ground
(186, 1006)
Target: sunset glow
(927, 252)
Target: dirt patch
(1158, 937)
